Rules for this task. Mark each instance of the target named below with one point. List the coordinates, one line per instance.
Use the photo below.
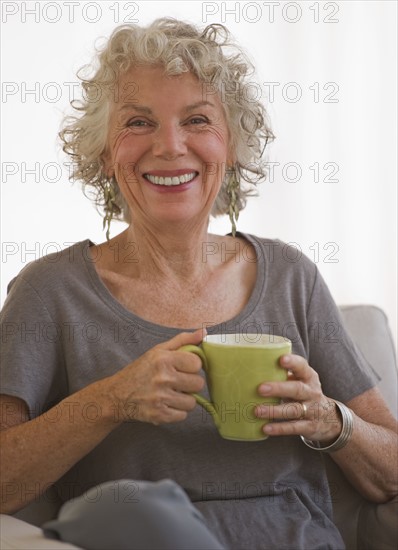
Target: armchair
(363, 525)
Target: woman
(167, 137)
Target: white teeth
(175, 180)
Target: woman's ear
(231, 160)
(107, 165)
(231, 156)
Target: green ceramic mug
(235, 365)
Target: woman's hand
(304, 410)
(369, 460)
(155, 388)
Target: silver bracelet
(345, 434)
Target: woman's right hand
(155, 388)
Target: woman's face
(167, 146)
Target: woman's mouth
(171, 181)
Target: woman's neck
(182, 255)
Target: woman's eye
(137, 123)
(198, 120)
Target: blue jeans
(132, 515)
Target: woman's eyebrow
(148, 111)
(134, 107)
(198, 104)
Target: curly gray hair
(180, 47)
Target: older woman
(167, 136)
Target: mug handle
(202, 401)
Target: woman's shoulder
(49, 270)
(279, 254)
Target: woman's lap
(128, 515)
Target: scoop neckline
(108, 298)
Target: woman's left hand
(304, 409)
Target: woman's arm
(370, 458)
(36, 453)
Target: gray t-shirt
(62, 330)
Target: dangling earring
(109, 201)
(232, 188)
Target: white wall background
(334, 107)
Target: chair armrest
(365, 525)
(16, 534)
(378, 526)
(368, 327)
(43, 508)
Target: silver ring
(304, 413)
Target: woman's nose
(169, 142)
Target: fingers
(173, 370)
(313, 412)
(160, 406)
(297, 366)
(167, 392)
(183, 339)
(178, 388)
(172, 406)
(182, 402)
(188, 383)
(302, 382)
(304, 410)
(294, 390)
(184, 361)
(321, 422)
(164, 414)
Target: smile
(169, 181)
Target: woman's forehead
(140, 86)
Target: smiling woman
(171, 140)
(208, 59)
(166, 144)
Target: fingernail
(286, 359)
(265, 388)
(268, 429)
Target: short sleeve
(343, 370)
(31, 365)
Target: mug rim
(243, 342)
